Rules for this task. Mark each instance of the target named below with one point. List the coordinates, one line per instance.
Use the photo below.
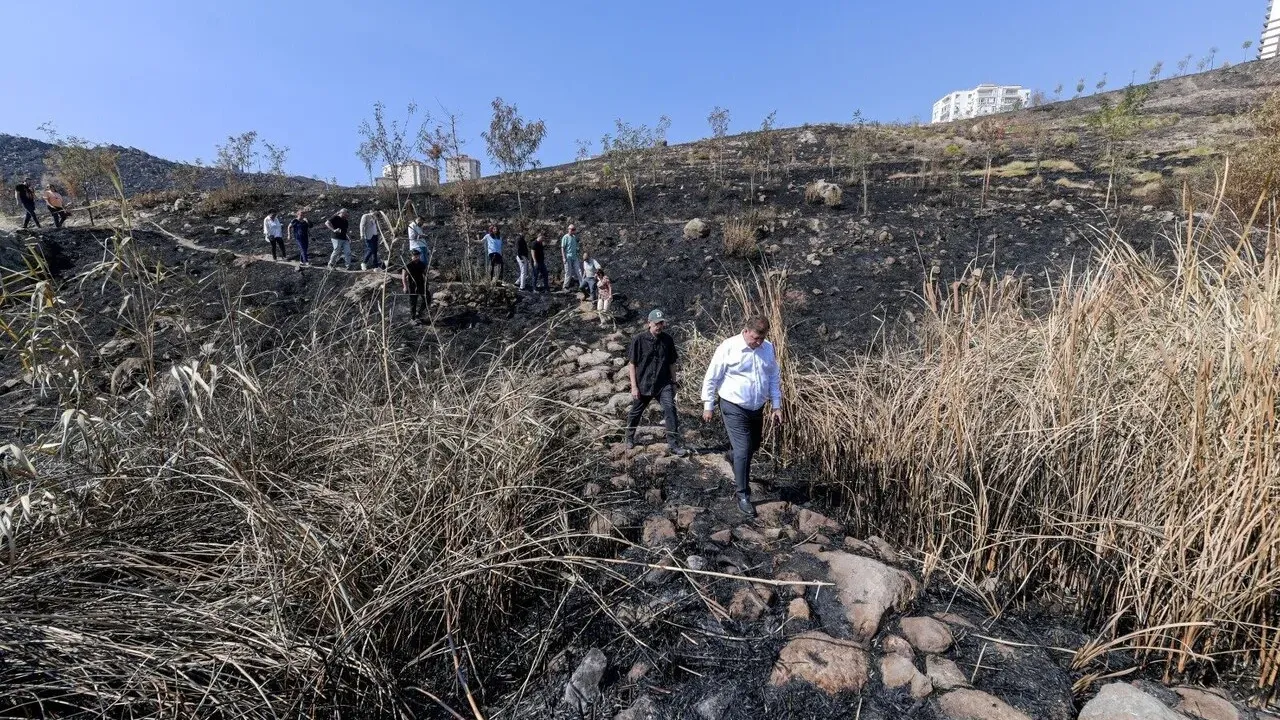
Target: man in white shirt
(418, 239)
(273, 230)
(743, 375)
(369, 233)
(588, 282)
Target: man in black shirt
(27, 198)
(522, 260)
(341, 243)
(538, 252)
(651, 363)
(415, 283)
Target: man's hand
(777, 416)
(707, 415)
(635, 393)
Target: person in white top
(274, 233)
(369, 233)
(590, 266)
(418, 239)
(743, 376)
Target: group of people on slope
(53, 202)
(743, 375)
(299, 229)
(580, 269)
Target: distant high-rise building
(463, 167)
(413, 174)
(1270, 45)
(982, 100)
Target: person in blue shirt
(493, 250)
(300, 231)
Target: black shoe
(745, 506)
(631, 443)
(677, 450)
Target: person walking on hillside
(743, 375)
(590, 268)
(273, 229)
(418, 239)
(300, 231)
(605, 287)
(369, 233)
(571, 251)
(414, 279)
(27, 199)
(53, 201)
(652, 364)
(523, 262)
(493, 252)
(538, 253)
(341, 243)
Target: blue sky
(175, 78)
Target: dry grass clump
(314, 531)
(1254, 168)
(740, 237)
(1115, 452)
(824, 192)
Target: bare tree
(445, 142)
(584, 150)
(83, 169)
(1183, 63)
(1213, 53)
(1079, 87)
(1101, 84)
(1057, 92)
(989, 135)
(1156, 71)
(1245, 47)
(625, 152)
(513, 143)
(719, 122)
(1116, 124)
(861, 151)
(760, 151)
(236, 157)
(368, 156)
(393, 144)
(276, 158)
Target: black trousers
(30, 216)
(277, 243)
(495, 266)
(667, 398)
(745, 428)
(418, 300)
(59, 215)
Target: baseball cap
(656, 315)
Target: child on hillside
(604, 295)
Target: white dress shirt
(368, 226)
(743, 376)
(272, 228)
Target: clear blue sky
(175, 78)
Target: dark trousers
(277, 243)
(302, 251)
(495, 265)
(540, 271)
(30, 216)
(370, 252)
(58, 214)
(589, 285)
(418, 299)
(667, 398)
(745, 428)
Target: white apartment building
(414, 174)
(1270, 45)
(463, 167)
(982, 100)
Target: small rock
(809, 522)
(644, 708)
(583, 688)
(1206, 705)
(897, 671)
(713, 707)
(1056, 204)
(770, 513)
(638, 671)
(654, 496)
(798, 610)
(591, 490)
(1122, 701)
(658, 530)
(897, 645)
(944, 674)
(622, 482)
(749, 536)
(686, 515)
(926, 634)
(235, 220)
(791, 577)
(220, 230)
(829, 664)
(750, 602)
(722, 537)
(977, 705)
(696, 562)
(696, 228)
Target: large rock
(1122, 701)
(696, 228)
(926, 634)
(829, 664)
(821, 191)
(809, 522)
(583, 688)
(944, 674)
(658, 530)
(594, 358)
(867, 589)
(977, 705)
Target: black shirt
(522, 247)
(417, 271)
(538, 250)
(299, 229)
(25, 196)
(339, 225)
(653, 356)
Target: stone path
(845, 607)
